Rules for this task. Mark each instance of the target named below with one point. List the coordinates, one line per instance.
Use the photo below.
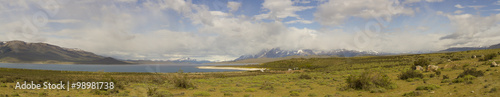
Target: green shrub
(312, 95)
(428, 87)
(368, 80)
(228, 94)
(250, 90)
(413, 93)
(201, 93)
(445, 81)
(446, 77)
(420, 62)
(488, 57)
(267, 86)
(410, 74)
(211, 90)
(467, 78)
(493, 90)
(181, 80)
(230, 89)
(432, 75)
(412, 79)
(43, 94)
(305, 76)
(458, 80)
(15, 94)
(438, 72)
(247, 95)
(294, 93)
(471, 71)
(377, 90)
(151, 91)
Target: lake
(119, 68)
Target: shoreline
(232, 68)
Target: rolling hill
(22, 52)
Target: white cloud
(410, 1)
(473, 30)
(234, 6)
(458, 12)
(459, 6)
(344, 9)
(299, 21)
(302, 1)
(279, 9)
(218, 13)
(434, 0)
(476, 7)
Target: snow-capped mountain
(277, 52)
(189, 60)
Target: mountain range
(277, 53)
(177, 61)
(22, 52)
(456, 49)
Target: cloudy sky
(225, 29)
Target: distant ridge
(21, 52)
(457, 49)
(278, 53)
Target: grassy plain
(315, 77)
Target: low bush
(432, 75)
(446, 77)
(377, 90)
(250, 90)
(413, 79)
(181, 80)
(445, 81)
(228, 94)
(267, 86)
(458, 80)
(410, 74)
(488, 57)
(471, 71)
(438, 72)
(413, 93)
(369, 80)
(230, 89)
(294, 93)
(467, 78)
(201, 93)
(493, 90)
(43, 94)
(151, 91)
(420, 62)
(312, 95)
(15, 94)
(247, 95)
(428, 87)
(305, 76)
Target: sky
(222, 30)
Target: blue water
(119, 68)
